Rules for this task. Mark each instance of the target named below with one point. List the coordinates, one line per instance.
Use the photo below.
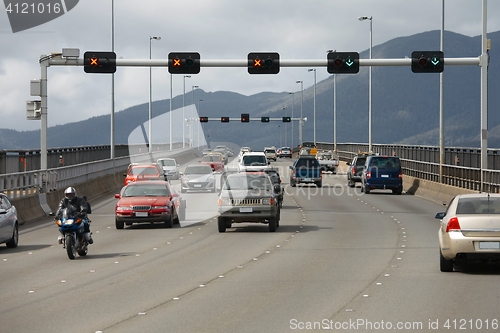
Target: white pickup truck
(328, 161)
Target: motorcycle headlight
(68, 221)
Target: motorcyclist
(80, 205)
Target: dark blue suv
(381, 173)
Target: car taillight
(453, 225)
(353, 170)
(400, 175)
(368, 174)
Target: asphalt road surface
(340, 261)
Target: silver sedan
(470, 229)
(9, 232)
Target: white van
(253, 161)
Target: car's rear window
(385, 162)
(198, 169)
(212, 158)
(481, 205)
(247, 182)
(167, 162)
(360, 161)
(307, 163)
(144, 171)
(254, 160)
(143, 190)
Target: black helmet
(70, 193)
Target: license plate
(489, 245)
(197, 185)
(141, 214)
(307, 179)
(246, 209)
(384, 176)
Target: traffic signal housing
(203, 119)
(183, 62)
(245, 117)
(264, 119)
(224, 119)
(287, 119)
(343, 62)
(99, 62)
(263, 63)
(427, 61)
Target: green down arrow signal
(349, 62)
(435, 61)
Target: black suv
(276, 179)
(356, 168)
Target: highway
(340, 260)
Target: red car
(137, 172)
(148, 202)
(215, 161)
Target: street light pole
(293, 102)
(362, 18)
(335, 112)
(279, 130)
(198, 127)
(191, 131)
(314, 103)
(334, 108)
(285, 127)
(441, 102)
(112, 120)
(150, 142)
(301, 108)
(183, 115)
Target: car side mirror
(440, 216)
(117, 196)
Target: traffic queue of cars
(469, 229)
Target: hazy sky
(217, 29)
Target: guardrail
(455, 175)
(418, 162)
(23, 184)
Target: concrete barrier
(440, 193)
(29, 209)
(32, 208)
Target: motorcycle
(73, 235)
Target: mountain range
(405, 106)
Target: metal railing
(419, 162)
(22, 184)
